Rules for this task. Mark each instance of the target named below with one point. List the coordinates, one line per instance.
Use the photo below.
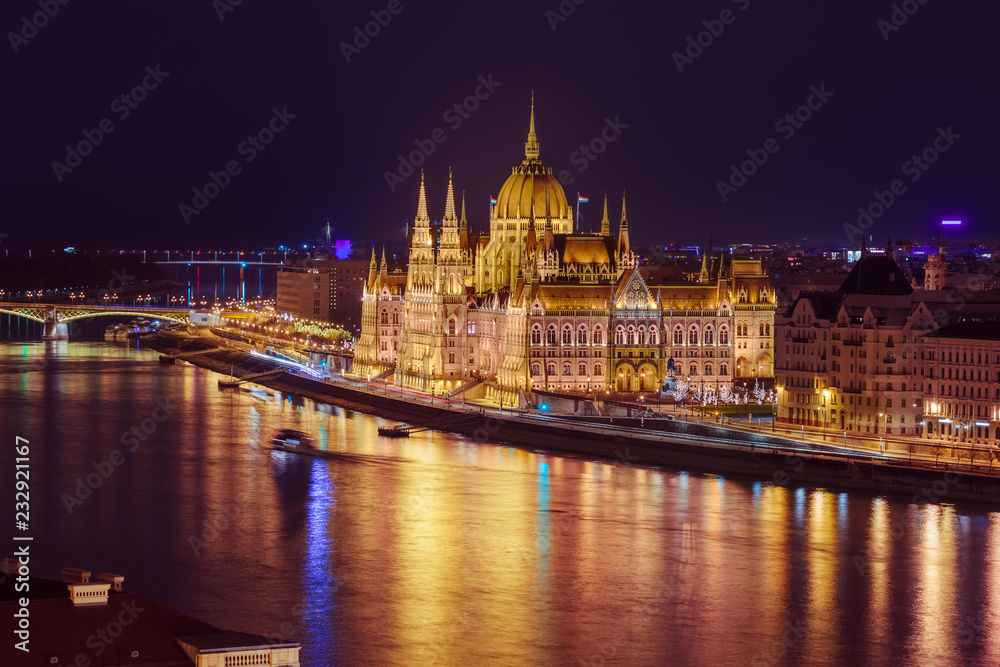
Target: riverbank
(678, 444)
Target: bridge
(56, 317)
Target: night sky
(220, 73)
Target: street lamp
(826, 395)
(880, 441)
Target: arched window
(641, 336)
(630, 335)
(385, 345)
(536, 369)
(678, 335)
(451, 327)
(385, 317)
(550, 368)
(598, 336)
(567, 369)
(708, 336)
(708, 368)
(451, 357)
(767, 328)
(619, 335)
(723, 335)
(581, 335)
(723, 369)
(582, 370)
(761, 329)
(567, 336)
(693, 369)
(693, 335)
(654, 333)
(598, 369)
(550, 335)
(536, 336)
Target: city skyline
(324, 122)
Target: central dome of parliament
(529, 183)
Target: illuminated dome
(531, 181)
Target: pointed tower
(605, 222)
(463, 226)
(372, 269)
(421, 267)
(531, 147)
(625, 258)
(449, 224)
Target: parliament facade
(536, 305)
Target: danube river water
(441, 550)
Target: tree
(759, 392)
(681, 389)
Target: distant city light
(951, 222)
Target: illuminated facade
(535, 305)
(868, 358)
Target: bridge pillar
(54, 329)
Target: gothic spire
(531, 148)
(605, 222)
(422, 203)
(623, 243)
(463, 225)
(449, 202)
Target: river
(438, 549)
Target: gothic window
(395, 318)
(767, 329)
(550, 369)
(723, 369)
(619, 335)
(567, 337)
(451, 357)
(708, 369)
(536, 369)
(567, 369)
(581, 335)
(451, 327)
(385, 317)
(583, 369)
(536, 336)
(598, 370)
(550, 335)
(693, 369)
(678, 335)
(761, 329)
(723, 336)
(598, 336)
(708, 336)
(693, 335)
(384, 345)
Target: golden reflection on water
(453, 552)
(875, 568)
(822, 616)
(934, 640)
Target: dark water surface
(440, 550)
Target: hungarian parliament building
(536, 305)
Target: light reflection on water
(439, 550)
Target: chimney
(75, 575)
(116, 580)
(87, 594)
